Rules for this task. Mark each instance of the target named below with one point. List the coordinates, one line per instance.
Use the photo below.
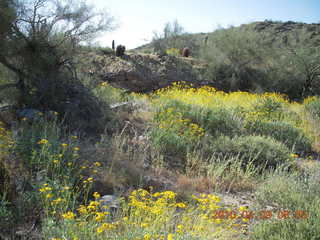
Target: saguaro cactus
(113, 45)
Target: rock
(146, 72)
(109, 203)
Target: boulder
(109, 203)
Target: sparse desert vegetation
(229, 152)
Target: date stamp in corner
(262, 214)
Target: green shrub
(44, 147)
(6, 214)
(292, 192)
(169, 142)
(269, 108)
(261, 151)
(312, 105)
(216, 121)
(220, 121)
(291, 136)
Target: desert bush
(170, 143)
(261, 151)
(221, 173)
(232, 55)
(244, 59)
(269, 107)
(44, 170)
(6, 213)
(292, 192)
(312, 105)
(173, 36)
(173, 52)
(43, 58)
(215, 121)
(48, 154)
(110, 95)
(294, 138)
(175, 133)
(221, 121)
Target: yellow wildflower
(57, 201)
(82, 210)
(98, 164)
(96, 195)
(69, 215)
(181, 205)
(147, 236)
(43, 141)
(49, 195)
(45, 189)
(100, 216)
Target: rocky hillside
(238, 58)
(144, 72)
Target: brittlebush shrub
(261, 151)
(291, 136)
(221, 121)
(174, 134)
(312, 105)
(215, 121)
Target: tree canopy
(39, 40)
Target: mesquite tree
(39, 42)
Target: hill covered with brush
(260, 56)
(81, 159)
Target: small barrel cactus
(186, 52)
(120, 50)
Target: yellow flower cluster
(209, 97)
(105, 227)
(68, 215)
(43, 141)
(171, 120)
(155, 216)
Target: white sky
(138, 19)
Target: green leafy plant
(291, 136)
(261, 151)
